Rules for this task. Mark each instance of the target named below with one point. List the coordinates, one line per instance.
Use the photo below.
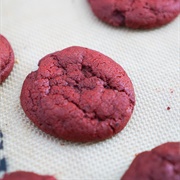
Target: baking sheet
(151, 59)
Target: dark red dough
(161, 163)
(78, 94)
(142, 14)
(6, 58)
(21, 175)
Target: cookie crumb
(168, 108)
(16, 61)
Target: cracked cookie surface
(78, 94)
(161, 163)
(6, 58)
(136, 14)
(22, 175)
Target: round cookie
(22, 175)
(6, 58)
(161, 163)
(142, 14)
(78, 94)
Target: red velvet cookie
(78, 94)
(6, 58)
(21, 175)
(161, 163)
(136, 14)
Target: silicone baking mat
(151, 58)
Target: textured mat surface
(151, 59)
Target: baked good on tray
(161, 163)
(136, 14)
(22, 175)
(6, 58)
(78, 94)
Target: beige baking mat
(151, 59)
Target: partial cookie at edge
(23, 175)
(137, 14)
(6, 58)
(162, 162)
